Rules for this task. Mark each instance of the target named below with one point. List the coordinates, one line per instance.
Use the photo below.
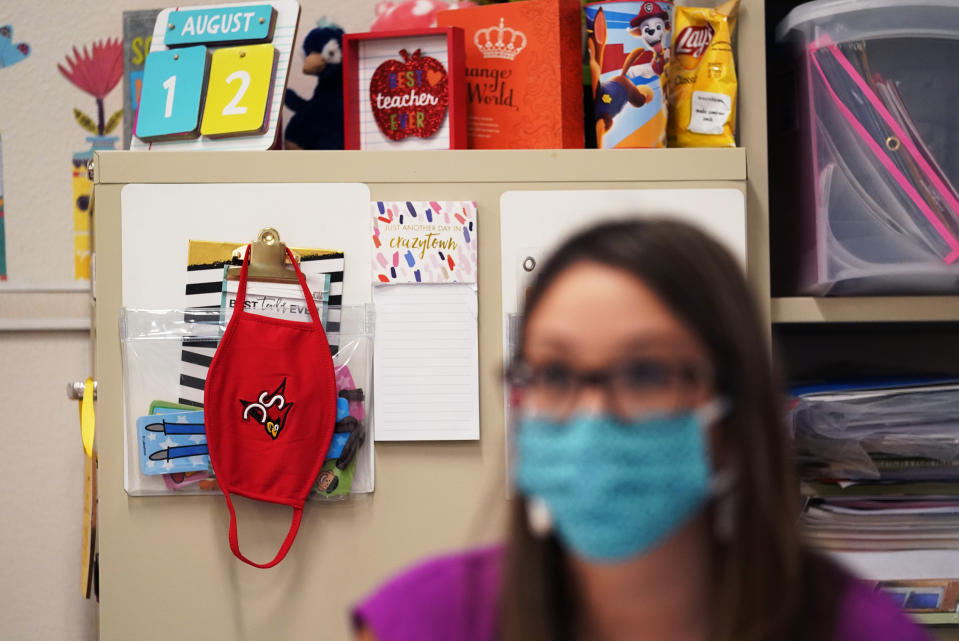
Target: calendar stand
(215, 77)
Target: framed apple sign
(405, 89)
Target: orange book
(524, 74)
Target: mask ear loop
(310, 303)
(284, 547)
(712, 411)
(721, 481)
(538, 517)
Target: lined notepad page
(425, 362)
(373, 53)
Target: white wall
(41, 465)
(41, 473)
(38, 129)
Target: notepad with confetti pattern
(425, 356)
(424, 242)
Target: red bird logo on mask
(270, 410)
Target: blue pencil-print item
(172, 442)
(164, 426)
(410, 259)
(179, 452)
(412, 209)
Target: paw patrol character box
(628, 47)
(524, 77)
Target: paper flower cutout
(96, 72)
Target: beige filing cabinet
(165, 566)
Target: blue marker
(182, 451)
(175, 428)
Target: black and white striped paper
(204, 291)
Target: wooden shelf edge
(864, 309)
(936, 618)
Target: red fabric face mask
(270, 406)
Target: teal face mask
(614, 490)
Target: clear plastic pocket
(166, 354)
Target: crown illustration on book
(500, 42)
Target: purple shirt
(456, 598)
(869, 615)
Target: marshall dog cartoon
(627, 87)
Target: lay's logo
(693, 41)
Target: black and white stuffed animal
(318, 122)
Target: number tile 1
(174, 83)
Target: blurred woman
(656, 493)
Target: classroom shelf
(526, 165)
(864, 309)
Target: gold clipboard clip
(268, 260)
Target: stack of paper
(880, 465)
(880, 481)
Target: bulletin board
(159, 221)
(534, 221)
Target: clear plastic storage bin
(876, 150)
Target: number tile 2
(238, 92)
(174, 83)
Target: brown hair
(767, 586)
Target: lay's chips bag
(702, 78)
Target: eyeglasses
(632, 388)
